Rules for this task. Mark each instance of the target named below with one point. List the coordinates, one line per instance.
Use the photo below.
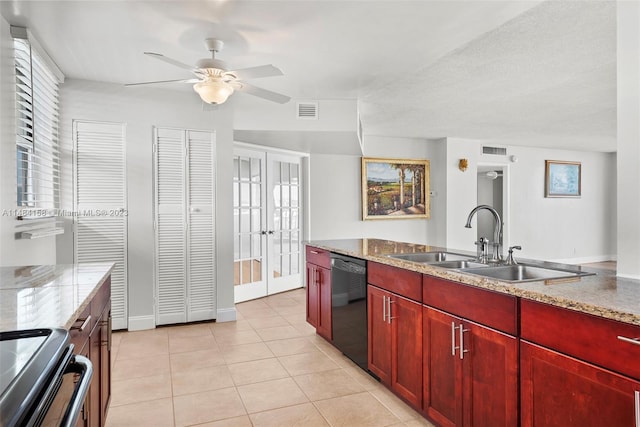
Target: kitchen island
(465, 349)
(73, 297)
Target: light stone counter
(48, 296)
(603, 295)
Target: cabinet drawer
(79, 331)
(498, 311)
(402, 282)
(584, 336)
(318, 257)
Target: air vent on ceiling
(496, 151)
(307, 110)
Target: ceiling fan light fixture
(213, 91)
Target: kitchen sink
(523, 273)
(462, 263)
(432, 257)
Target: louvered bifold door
(171, 226)
(201, 274)
(101, 205)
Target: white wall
(12, 251)
(333, 115)
(628, 109)
(566, 229)
(336, 204)
(141, 109)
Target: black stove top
(29, 360)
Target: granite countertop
(48, 296)
(602, 294)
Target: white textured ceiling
(523, 72)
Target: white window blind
(38, 160)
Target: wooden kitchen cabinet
(91, 337)
(395, 343)
(559, 390)
(470, 372)
(577, 369)
(319, 291)
(470, 355)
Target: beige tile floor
(266, 369)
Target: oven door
(41, 381)
(67, 401)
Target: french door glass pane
(256, 170)
(256, 219)
(244, 220)
(236, 168)
(244, 168)
(255, 194)
(276, 173)
(245, 199)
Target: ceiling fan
(214, 83)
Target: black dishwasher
(349, 307)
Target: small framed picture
(562, 179)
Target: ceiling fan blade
(164, 81)
(256, 72)
(161, 57)
(262, 93)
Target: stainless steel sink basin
(431, 257)
(463, 263)
(523, 273)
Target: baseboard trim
(226, 315)
(141, 323)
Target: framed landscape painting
(562, 179)
(395, 188)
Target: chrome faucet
(497, 230)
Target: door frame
(304, 187)
(506, 186)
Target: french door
(267, 217)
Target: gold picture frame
(395, 188)
(562, 179)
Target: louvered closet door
(101, 205)
(171, 225)
(185, 241)
(201, 243)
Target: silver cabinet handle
(84, 324)
(389, 317)
(453, 339)
(635, 341)
(637, 399)
(462, 350)
(313, 252)
(384, 308)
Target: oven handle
(79, 365)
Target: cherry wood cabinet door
(490, 377)
(560, 391)
(442, 379)
(324, 327)
(379, 334)
(94, 390)
(406, 349)
(313, 295)
(105, 361)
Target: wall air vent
(496, 151)
(307, 110)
